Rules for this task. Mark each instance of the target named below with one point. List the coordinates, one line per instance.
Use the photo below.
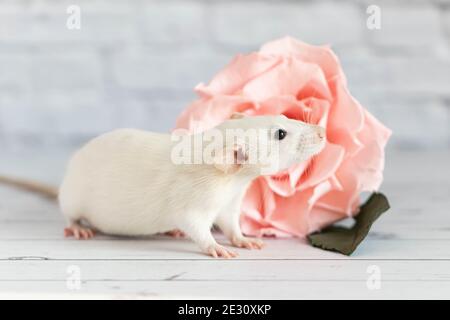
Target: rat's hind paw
(175, 233)
(218, 251)
(248, 243)
(79, 232)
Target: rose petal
(233, 77)
(207, 113)
(369, 161)
(284, 184)
(324, 166)
(346, 112)
(277, 105)
(322, 217)
(309, 110)
(290, 214)
(287, 78)
(347, 199)
(323, 56)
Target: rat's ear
(230, 160)
(237, 115)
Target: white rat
(125, 182)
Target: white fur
(124, 183)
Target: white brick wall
(247, 24)
(176, 23)
(145, 69)
(415, 26)
(135, 63)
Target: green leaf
(346, 240)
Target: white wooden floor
(409, 245)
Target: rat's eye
(280, 134)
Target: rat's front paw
(248, 243)
(218, 251)
(79, 232)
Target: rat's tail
(36, 187)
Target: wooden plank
(417, 167)
(229, 270)
(227, 290)
(153, 248)
(385, 229)
(161, 248)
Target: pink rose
(303, 82)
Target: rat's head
(269, 144)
